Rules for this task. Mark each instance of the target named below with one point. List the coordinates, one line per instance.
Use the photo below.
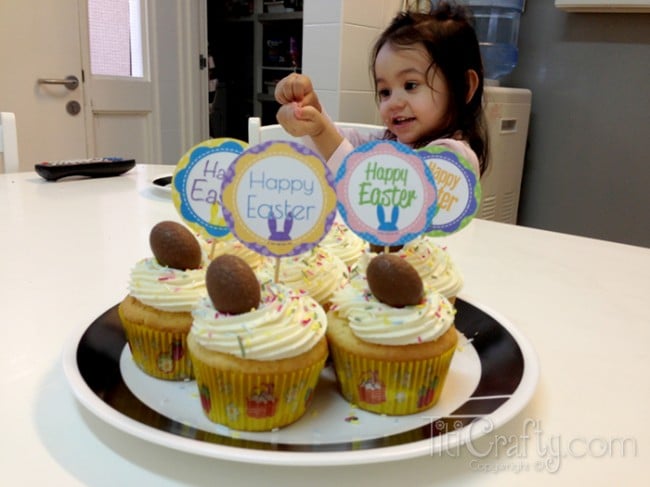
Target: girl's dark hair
(448, 36)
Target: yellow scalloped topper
(278, 198)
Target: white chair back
(362, 128)
(8, 142)
(258, 133)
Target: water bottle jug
(497, 29)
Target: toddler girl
(428, 78)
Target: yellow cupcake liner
(255, 402)
(392, 388)
(160, 354)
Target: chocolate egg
(394, 281)
(175, 246)
(378, 249)
(232, 285)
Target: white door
(41, 40)
(119, 91)
(47, 40)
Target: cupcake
(257, 350)
(318, 272)
(344, 244)
(391, 341)
(156, 313)
(431, 261)
(213, 248)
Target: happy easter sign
(197, 181)
(459, 190)
(278, 198)
(387, 195)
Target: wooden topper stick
(212, 248)
(277, 270)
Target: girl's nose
(396, 100)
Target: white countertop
(68, 247)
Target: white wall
(337, 38)
(182, 94)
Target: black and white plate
(492, 377)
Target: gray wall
(587, 167)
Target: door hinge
(203, 62)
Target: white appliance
(507, 111)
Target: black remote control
(98, 167)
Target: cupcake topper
(459, 190)
(278, 198)
(196, 188)
(387, 194)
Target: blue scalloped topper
(459, 190)
(197, 180)
(278, 198)
(386, 192)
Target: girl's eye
(410, 85)
(384, 93)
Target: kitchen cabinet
(277, 55)
(254, 44)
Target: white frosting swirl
(344, 243)
(318, 272)
(211, 249)
(165, 288)
(375, 322)
(286, 324)
(432, 262)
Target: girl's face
(407, 104)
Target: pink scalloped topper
(386, 193)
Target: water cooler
(507, 110)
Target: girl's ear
(472, 84)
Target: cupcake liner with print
(255, 401)
(390, 387)
(158, 353)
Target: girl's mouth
(402, 120)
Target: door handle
(70, 82)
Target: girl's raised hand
(296, 88)
(300, 120)
(301, 114)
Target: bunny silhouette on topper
(390, 226)
(279, 236)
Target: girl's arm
(302, 115)
(302, 121)
(335, 147)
